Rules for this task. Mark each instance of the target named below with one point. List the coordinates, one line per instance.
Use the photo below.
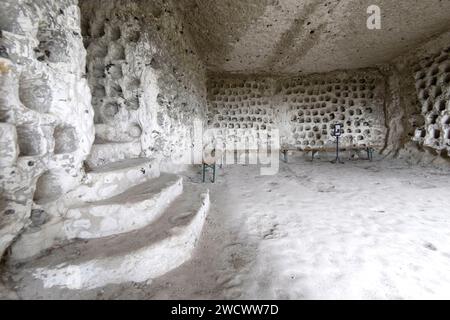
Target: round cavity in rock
(97, 50)
(114, 33)
(433, 118)
(35, 93)
(29, 141)
(38, 218)
(111, 109)
(432, 81)
(436, 134)
(99, 91)
(135, 131)
(98, 30)
(48, 187)
(66, 140)
(441, 105)
(421, 133)
(437, 91)
(446, 78)
(116, 52)
(98, 70)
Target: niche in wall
(66, 140)
(29, 140)
(35, 93)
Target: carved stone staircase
(128, 222)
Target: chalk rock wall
(418, 108)
(303, 109)
(46, 119)
(241, 112)
(433, 87)
(148, 84)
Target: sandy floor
(359, 230)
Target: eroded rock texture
(417, 102)
(314, 36)
(304, 109)
(88, 84)
(147, 82)
(433, 86)
(46, 119)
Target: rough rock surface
(291, 36)
(46, 118)
(304, 109)
(98, 97)
(147, 81)
(417, 103)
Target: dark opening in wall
(97, 30)
(436, 134)
(66, 140)
(441, 105)
(423, 133)
(99, 91)
(133, 36)
(446, 79)
(114, 33)
(433, 118)
(98, 49)
(437, 91)
(29, 140)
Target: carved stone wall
(46, 119)
(304, 109)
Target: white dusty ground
(376, 230)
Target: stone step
(136, 256)
(133, 209)
(103, 154)
(101, 183)
(112, 179)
